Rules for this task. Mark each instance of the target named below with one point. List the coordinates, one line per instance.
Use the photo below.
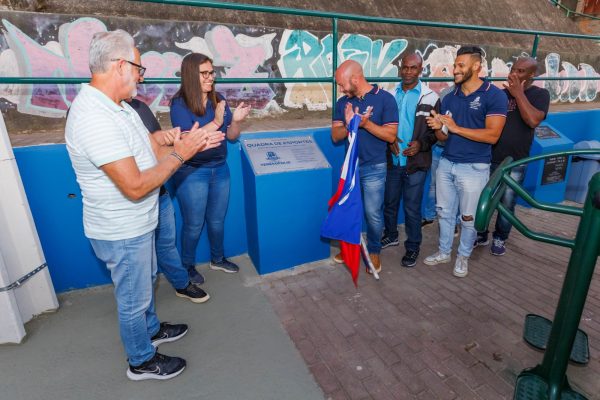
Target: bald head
(528, 63)
(349, 68)
(412, 58)
(351, 79)
(524, 68)
(411, 67)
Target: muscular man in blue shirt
(471, 120)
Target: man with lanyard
(527, 108)
(167, 255)
(471, 120)
(378, 126)
(409, 158)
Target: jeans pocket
(480, 167)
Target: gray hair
(107, 46)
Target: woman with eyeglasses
(202, 184)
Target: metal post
(573, 295)
(334, 60)
(536, 41)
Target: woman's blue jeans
(203, 196)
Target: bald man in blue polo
(377, 129)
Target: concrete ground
(236, 348)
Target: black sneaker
(193, 293)
(410, 258)
(158, 367)
(387, 241)
(482, 240)
(426, 222)
(224, 265)
(195, 277)
(169, 333)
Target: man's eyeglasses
(206, 74)
(142, 70)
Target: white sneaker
(437, 258)
(461, 267)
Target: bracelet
(177, 156)
(217, 125)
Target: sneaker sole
(497, 254)
(482, 244)
(217, 268)
(158, 342)
(383, 246)
(460, 275)
(445, 261)
(335, 260)
(196, 300)
(407, 265)
(143, 377)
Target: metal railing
(548, 380)
(570, 12)
(334, 17)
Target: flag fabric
(344, 221)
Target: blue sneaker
(224, 265)
(195, 277)
(498, 247)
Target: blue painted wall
(55, 199)
(577, 125)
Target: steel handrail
(494, 190)
(571, 12)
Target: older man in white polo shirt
(119, 168)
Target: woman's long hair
(190, 89)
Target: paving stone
(423, 333)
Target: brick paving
(421, 333)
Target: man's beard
(466, 76)
(132, 83)
(353, 91)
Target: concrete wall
(46, 45)
(531, 14)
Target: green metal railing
(335, 18)
(570, 12)
(562, 340)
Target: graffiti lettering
(301, 54)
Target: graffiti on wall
(239, 56)
(304, 55)
(241, 52)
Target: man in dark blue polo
(471, 120)
(377, 128)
